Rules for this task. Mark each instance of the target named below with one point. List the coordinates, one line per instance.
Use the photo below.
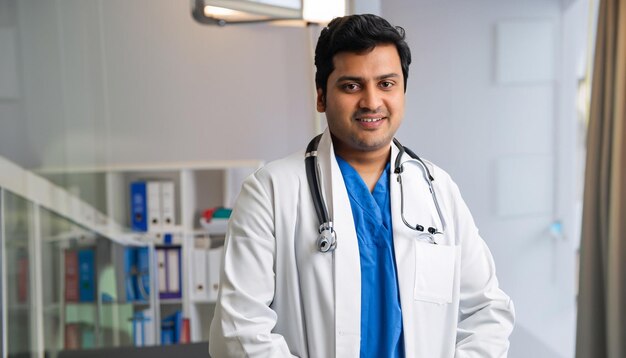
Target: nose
(370, 100)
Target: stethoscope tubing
(429, 180)
(327, 239)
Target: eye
(350, 87)
(386, 84)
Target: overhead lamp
(322, 11)
(223, 12)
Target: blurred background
(497, 95)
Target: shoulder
(285, 168)
(284, 173)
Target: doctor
(379, 286)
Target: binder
(71, 336)
(71, 275)
(171, 328)
(86, 275)
(129, 273)
(135, 274)
(200, 289)
(143, 328)
(148, 328)
(185, 331)
(145, 197)
(168, 206)
(154, 206)
(167, 333)
(143, 273)
(139, 334)
(161, 271)
(169, 272)
(173, 272)
(139, 206)
(214, 263)
(88, 337)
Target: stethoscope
(327, 239)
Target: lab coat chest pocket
(434, 272)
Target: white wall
(128, 82)
(11, 127)
(505, 142)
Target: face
(364, 101)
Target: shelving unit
(89, 208)
(35, 314)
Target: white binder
(200, 288)
(173, 274)
(168, 206)
(153, 191)
(214, 263)
(162, 270)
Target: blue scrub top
(381, 315)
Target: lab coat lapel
(347, 274)
(418, 208)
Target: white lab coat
(280, 297)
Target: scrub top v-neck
(381, 314)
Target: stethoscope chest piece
(327, 240)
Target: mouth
(370, 120)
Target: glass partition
(83, 288)
(18, 238)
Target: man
(397, 271)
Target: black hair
(357, 33)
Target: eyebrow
(360, 79)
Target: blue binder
(86, 275)
(171, 328)
(139, 206)
(130, 269)
(143, 274)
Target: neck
(369, 164)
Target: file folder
(169, 271)
(139, 206)
(143, 273)
(145, 203)
(161, 271)
(86, 275)
(200, 290)
(173, 272)
(71, 275)
(214, 262)
(154, 206)
(168, 206)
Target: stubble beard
(370, 144)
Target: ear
(321, 101)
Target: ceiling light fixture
(225, 12)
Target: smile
(369, 120)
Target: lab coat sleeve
(486, 313)
(243, 320)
